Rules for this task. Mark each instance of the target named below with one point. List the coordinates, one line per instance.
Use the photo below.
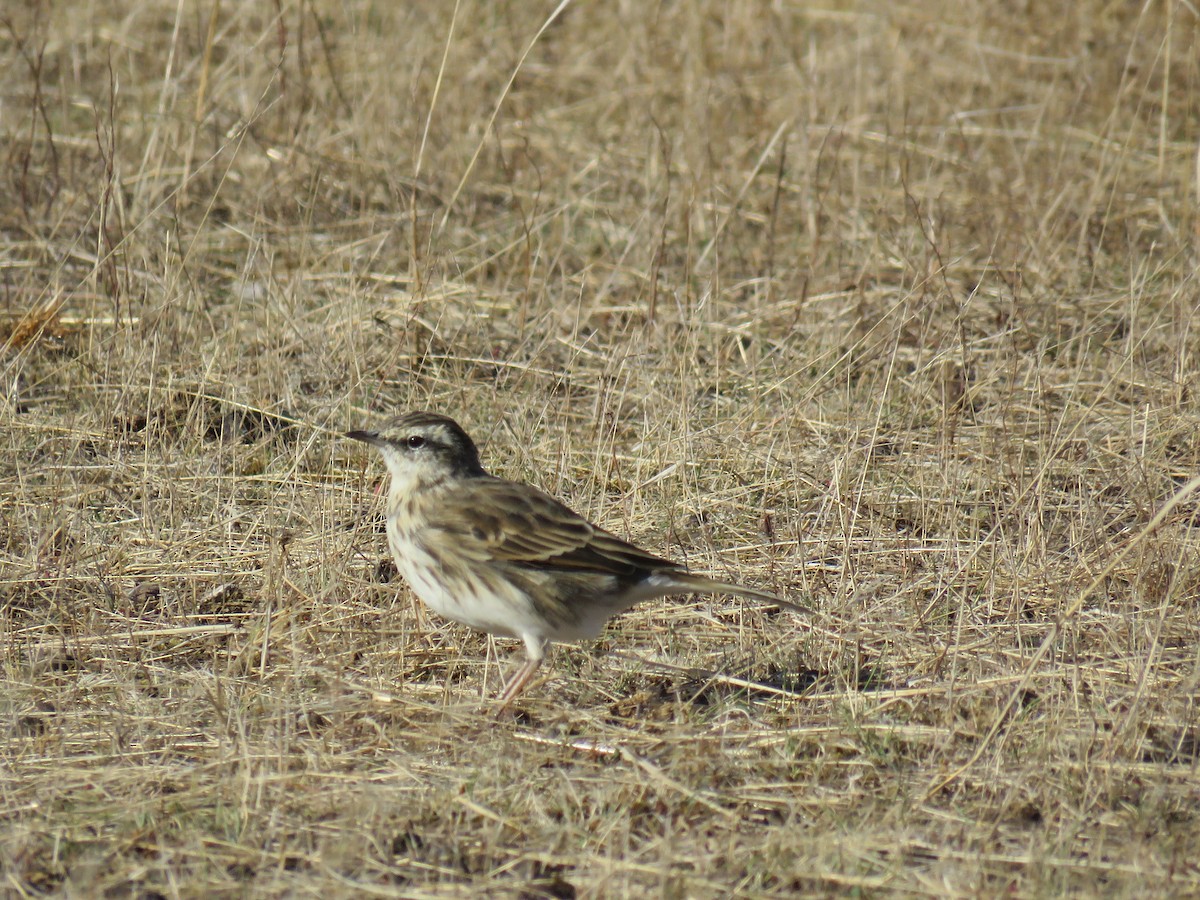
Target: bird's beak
(367, 437)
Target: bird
(505, 558)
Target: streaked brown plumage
(504, 557)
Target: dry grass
(886, 307)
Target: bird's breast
(459, 588)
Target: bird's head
(423, 448)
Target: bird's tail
(702, 584)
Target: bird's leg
(535, 652)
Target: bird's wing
(520, 524)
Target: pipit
(504, 557)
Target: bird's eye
(415, 441)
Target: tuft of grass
(887, 308)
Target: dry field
(888, 307)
